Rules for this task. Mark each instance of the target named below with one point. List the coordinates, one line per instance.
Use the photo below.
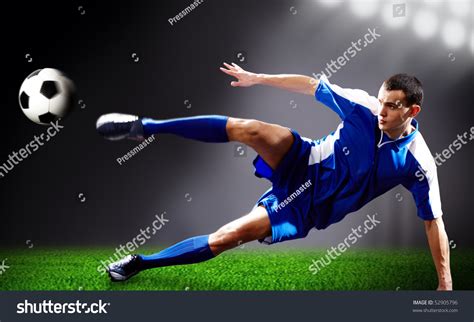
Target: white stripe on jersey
(420, 151)
(325, 148)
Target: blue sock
(207, 128)
(189, 251)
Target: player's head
(400, 98)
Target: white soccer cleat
(116, 126)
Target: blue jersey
(320, 181)
(361, 162)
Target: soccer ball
(46, 95)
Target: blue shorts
(288, 201)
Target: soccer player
(315, 183)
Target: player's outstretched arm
(439, 245)
(294, 83)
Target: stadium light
(365, 8)
(425, 23)
(428, 18)
(330, 3)
(453, 34)
(433, 3)
(459, 8)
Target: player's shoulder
(418, 147)
(419, 150)
(354, 95)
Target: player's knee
(247, 130)
(225, 237)
(253, 128)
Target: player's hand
(244, 78)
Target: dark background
(203, 186)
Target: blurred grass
(239, 269)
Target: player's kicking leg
(207, 128)
(270, 141)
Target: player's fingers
(229, 66)
(236, 66)
(234, 84)
(228, 72)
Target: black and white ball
(46, 95)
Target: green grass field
(240, 269)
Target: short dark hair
(410, 85)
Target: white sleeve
(344, 100)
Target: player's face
(394, 115)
